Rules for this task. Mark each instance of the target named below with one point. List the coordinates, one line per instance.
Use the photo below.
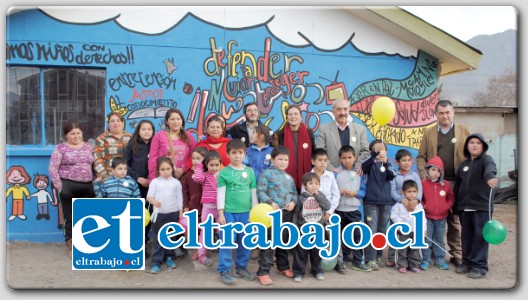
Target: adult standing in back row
(300, 141)
(342, 132)
(244, 131)
(447, 141)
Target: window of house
(41, 100)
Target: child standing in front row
(237, 194)
(165, 194)
(438, 199)
(206, 174)
(311, 207)
(377, 203)
(352, 188)
(328, 186)
(119, 185)
(475, 181)
(407, 257)
(404, 163)
(277, 188)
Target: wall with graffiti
(204, 64)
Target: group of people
(229, 171)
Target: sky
(465, 22)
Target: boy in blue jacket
(378, 202)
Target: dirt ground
(46, 266)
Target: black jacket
(378, 182)
(471, 184)
(239, 131)
(137, 163)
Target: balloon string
(489, 200)
(438, 246)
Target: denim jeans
(435, 231)
(225, 256)
(376, 217)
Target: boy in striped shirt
(120, 185)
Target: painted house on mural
(80, 63)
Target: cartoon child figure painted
(18, 178)
(41, 182)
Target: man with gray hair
(334, 135)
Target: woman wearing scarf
(299, 139)
(214, 140)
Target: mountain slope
(499, 53)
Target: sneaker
(170, 263)
(206, 261)
(319, 276)
(245, 274)
(442, 265)
(226, 278)
(402, 270)
(265, 280)
(424, 265)
(298, 278)
(194, 256)
(379, 261)
(476, 275)
(340, 269)
(415, 270)
(288, 273)
(154, 269)
(391, 264)
(463, 269)
(361, 267)
(373, 265)
(12, 217)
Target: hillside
(499, 53)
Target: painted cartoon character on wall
(41, 182)
(18, 178)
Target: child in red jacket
(438, 198)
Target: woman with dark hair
(173, 142)
(70, 169)
(215, 139)
(299, 139)
(109, 145)
(137, 154)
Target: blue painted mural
(202, 68)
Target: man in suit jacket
(447, 141)
(244, 130)
(334, 135)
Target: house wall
(500, 131)
(215, 60)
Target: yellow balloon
(383, 110)
(259, 214)
(146, 216)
